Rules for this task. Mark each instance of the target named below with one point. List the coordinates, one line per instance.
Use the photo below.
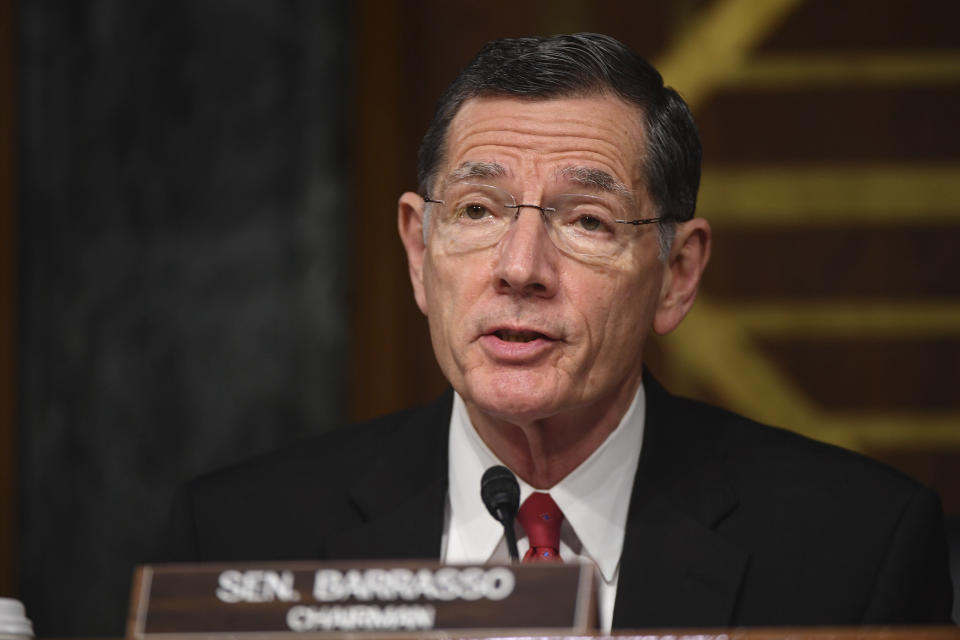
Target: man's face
(522, 330)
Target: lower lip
(516, 352)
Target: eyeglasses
(589, 227)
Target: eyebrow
(477, 170)
(598, 179)
(586, 177)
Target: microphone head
(500, 493)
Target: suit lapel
(401, 502)
(676, 570)
(410, 526)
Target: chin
(513, 400)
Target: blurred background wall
(181, 269)
(200, 257)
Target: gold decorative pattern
(923, 69)
(717, 347)
(790, 196)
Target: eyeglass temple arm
(637, 223)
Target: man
(553, 231)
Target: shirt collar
(594, 497)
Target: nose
(527, 263)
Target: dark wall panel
(182, 279)
(9, 462)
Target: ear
(681, 277)
(410, 225)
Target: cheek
(434, 283)
(619, 311)
(448, 295)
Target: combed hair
(580, 65)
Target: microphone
(501, 495)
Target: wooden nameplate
(278, 600)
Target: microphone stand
(500, 492)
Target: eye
(593, 222)
(586, 215)
(474, 211)
(589, 223)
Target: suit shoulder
(328, 456)
(284, 505)
(806, 509)
(780, 451)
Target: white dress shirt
(594, 499)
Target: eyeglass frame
(665, 231)
(544, 210)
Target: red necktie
(541, 518)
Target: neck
(542, 452)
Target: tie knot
(541, 518)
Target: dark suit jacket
(730, 522)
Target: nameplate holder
(416, 599)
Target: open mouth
(518, 336)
